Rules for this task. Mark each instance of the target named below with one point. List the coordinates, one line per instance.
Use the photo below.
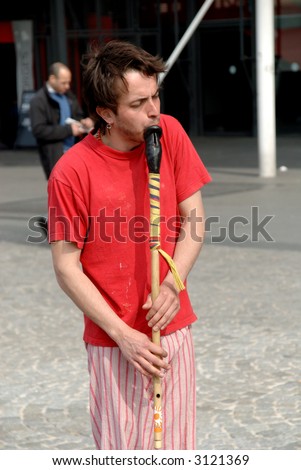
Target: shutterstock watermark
(115, 227)
(240, 229)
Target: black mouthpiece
(153, 149)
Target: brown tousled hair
(104, 64)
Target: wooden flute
(153, 151)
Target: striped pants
(121, 398)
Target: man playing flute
(99, 232)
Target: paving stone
(247, 296)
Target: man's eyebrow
(141, 98)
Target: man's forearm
(187, 251)
(191, 236)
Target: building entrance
(226, 82)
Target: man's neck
(118, 144)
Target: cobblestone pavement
(247, 295)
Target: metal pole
(265, 73)
(60, 36)
(186, 36)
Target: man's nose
(153, 108)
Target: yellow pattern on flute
(154, 190)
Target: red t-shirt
(99, 199)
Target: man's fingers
(166, 304)
(154, 367)
(163, 316)
(147, 305)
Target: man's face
(61, 84)
(138, 108)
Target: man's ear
(104, 113)
(51, 79)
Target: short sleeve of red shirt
(190, 172)
(67, 213)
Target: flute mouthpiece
(153, 149)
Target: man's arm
(135, 346)
(188, 247)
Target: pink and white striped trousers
(121, 398)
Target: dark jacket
(46, 127)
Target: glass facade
(288, 65)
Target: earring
(108, 126)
